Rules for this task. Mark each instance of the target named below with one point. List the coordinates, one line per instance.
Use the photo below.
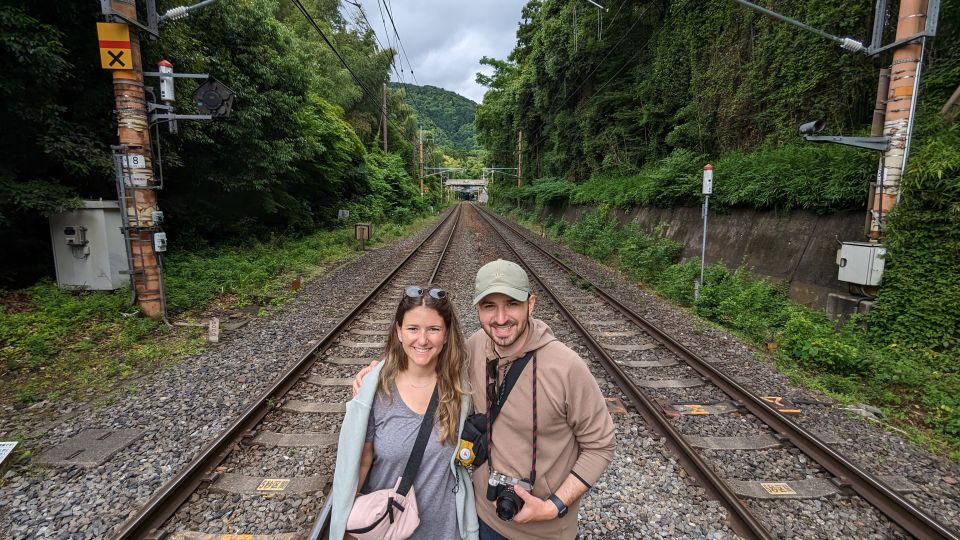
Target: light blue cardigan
(346, 474)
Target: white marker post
(707, 190)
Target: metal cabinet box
(88, 247)
(861, 263)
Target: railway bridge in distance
(469, 188)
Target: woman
(424, 351)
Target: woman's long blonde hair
(451, 362)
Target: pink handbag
(391, 514)
(384, 514)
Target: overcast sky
(445, 39)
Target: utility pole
(520, 158)
(384, 118)
(141, 203)
(898, 117)
(421, 163)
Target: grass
(57, 344)
(917, 387)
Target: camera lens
(508, 504)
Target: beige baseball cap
(502, 276)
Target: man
(574, 432)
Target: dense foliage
(631, 118)
(911, 374)
(447, 114)
(665, 76)
(294, 151)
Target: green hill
(448, 113)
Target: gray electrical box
(861, 263)
(88, 247)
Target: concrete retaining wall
(797, 247)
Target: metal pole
(421, 163)
(384, 118)
(520, 158)
(703, 246)
(707, 189)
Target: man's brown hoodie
(574, 435)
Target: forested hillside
(302, 141)
(448, 114)
(630, 118)
(668, 87)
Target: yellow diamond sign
(115, 50)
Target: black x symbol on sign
(116, 58)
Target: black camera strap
(508, 383)
(493, 410)
(416, 456)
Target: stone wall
(798, 247)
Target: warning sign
(115, 50)
(778, 488)
(273, 484)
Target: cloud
(444, 40)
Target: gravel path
(861, 439)
(644, 494)
(192, 401)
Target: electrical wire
(363, 13)
(375, 99)
(402, 48)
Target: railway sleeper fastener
(209, 478)
(843, 485)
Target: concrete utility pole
(134, 133)
(421, 163)
(520, 158)
(898, 117)
(384, 118)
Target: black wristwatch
(561, 508)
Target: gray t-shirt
(393, 430)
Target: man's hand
(358, 380)
(534, 509)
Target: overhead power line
(374, 98)
(400, 41)
(363, 13)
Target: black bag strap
(508, 383)
(416, 456)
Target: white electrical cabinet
(88, 247)
(861, 263)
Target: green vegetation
(917, 385)
(294, 151)
(447, 114)
(819, 178)
(55, 343)
(608, 125)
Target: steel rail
(893, 505)
(168, 499)
(743, 521)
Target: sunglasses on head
(416, 292)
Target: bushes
(643, 256)
(820, 178)
(915, 376)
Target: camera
(500, 488)
(812, 127)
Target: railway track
(302, 410)
(670, 386)
(657, 373)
